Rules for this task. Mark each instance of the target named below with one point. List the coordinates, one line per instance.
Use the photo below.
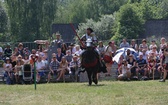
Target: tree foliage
(3, 23)
(129, 24)
(78, 11)
(3, 19)
(102, 27)
(30, 19)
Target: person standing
(58, 41)
(108, 58)
(101, 48)
(124, 44)
(165, 64)
(8, 51)
(59, 54)
(20, 50)
(134, 45)
(143, 45)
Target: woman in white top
(108, 52)
(7, 67)
(162, 44)
(124, 70)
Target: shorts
(141, 71)
(41, 73)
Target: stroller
(27, 73)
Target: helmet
(88, 42)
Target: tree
(3, 19)
(78, 11)
(102, 28)
(3, 23)
(31, 19)
(129, 24)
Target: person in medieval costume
(89, 35)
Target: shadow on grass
(93, 85)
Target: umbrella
(117, 57)
(125, 49)
(123, 52)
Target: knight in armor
(91, 46)
(89, 35)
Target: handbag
(107, 58)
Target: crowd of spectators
(146, 60)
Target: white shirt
(108, 51)
(78, 52)
(40, 65)
(124, 69)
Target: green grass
(106, 93)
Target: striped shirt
(75, 63)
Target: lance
(77, 35)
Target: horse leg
(95, 80)
(89, 72)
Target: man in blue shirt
(124, 44)
(142, 66)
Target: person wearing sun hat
(8, 68)
(58, 41)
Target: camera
(164, 50)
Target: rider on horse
(89, 35)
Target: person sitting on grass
(53, 67)
(124, 71)
(63, 69)
(141, 66)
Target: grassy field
(106, 93)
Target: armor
(91, 37)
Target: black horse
(90, 62)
